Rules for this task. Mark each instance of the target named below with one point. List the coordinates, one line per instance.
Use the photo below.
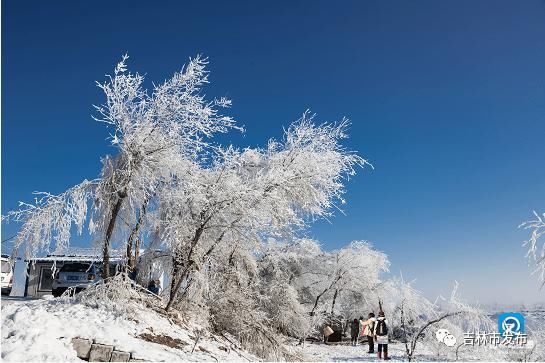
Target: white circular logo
(511, 325)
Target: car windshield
(76, 267)
(6, 267)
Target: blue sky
(447, 100)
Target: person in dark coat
(355, 331)
(153, 288)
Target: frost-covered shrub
(119, 293)
(279, 266)
(415, 318)
(236, 307)
(285, 313)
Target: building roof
(78, 254)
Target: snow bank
(41, 330)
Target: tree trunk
(317, 300)
(334, 299)
(177, 280)
(133, 238)
(174, 284)
(128, 254)
(136, 251)
(426, 326)
(404, 328)
(108, 236)
(323, 292)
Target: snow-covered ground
(345, 352)
(42, 329)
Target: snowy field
(345, 352)
(42, 329)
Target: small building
(40, 270)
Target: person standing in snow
(362, 329)
(153, 288)
(327, 332)
(355, 331)
(368, 331)
(381, 335)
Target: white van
(7, 275)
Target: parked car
(76, 275)
(7, 275)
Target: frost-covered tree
(158, 137)
(280, 266)
(331, 276)
(270, 288)
(210, 210)
(246, 195)
(416, 318)
(359, 267)
(536, 248)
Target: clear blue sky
(447, 100)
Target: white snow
(41, 330)
(345, 352)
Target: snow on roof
(79, 254)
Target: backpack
(382, 329)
